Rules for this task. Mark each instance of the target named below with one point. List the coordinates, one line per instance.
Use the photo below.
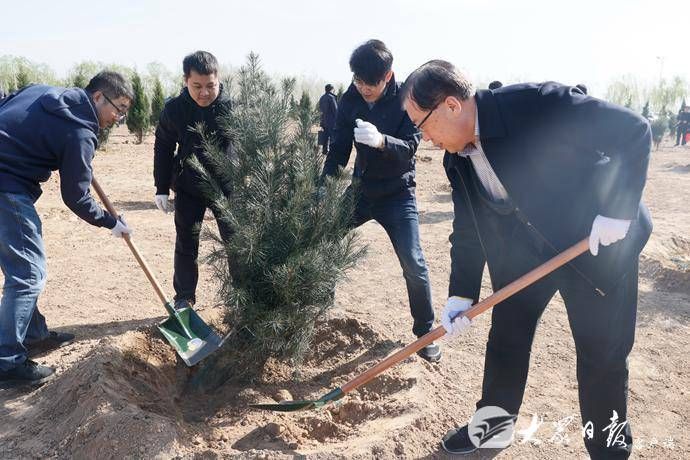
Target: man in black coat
(682, 124)
(534, 168)
(328, 106)
(201, 101)
(371, 115)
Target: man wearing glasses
(534, 168)
(202, 100)
(370, 115)
(45, 129)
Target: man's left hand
(368, 134)
(605, 231)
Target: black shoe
(53, 341)
(181, 304)
(431, 353)
(27, 373)
(457, 441)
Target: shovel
(184, 329)
(497, 297)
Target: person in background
(328, 106)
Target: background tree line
(658, 101)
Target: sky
(590, 42)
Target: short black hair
(202, 62)
(582, 88)
(329, 87)
(112, 84)
(370, 61)
(434, 81)
(495, 84)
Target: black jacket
(173, 131)
(382, 172)
(328, 106)
(563, 158)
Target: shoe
(431, 353)
(27, 373)
(181, 304)
(457, 441)
(53, 341)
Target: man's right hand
(121, 227)
(452, 319)
(162, 203)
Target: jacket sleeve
(466, 255)
(163, 153)
(341, 144)
(75, 180)
(622, 137)
(404, 146)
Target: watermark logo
(492, 428)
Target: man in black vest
(202, 100)
(370, 115)
(534, 168)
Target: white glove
(452, 319)
(366, 133)
(121, 227)
(605, 231)
(162, 203)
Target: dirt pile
(129, 398)
(123, 390)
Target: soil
(121, 392)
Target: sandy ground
(120, 392)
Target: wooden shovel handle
(480, 307)
(137, 255)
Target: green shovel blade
(292, 406)
(190, 336)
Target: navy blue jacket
(563, 157)
(328, 106)
(44, 129)
(175, 142)
(386, 172)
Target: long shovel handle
(480, 307)
(137, 255)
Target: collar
(488, 115)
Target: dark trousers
(399, 218)
(325, 136)
(680, 134)
(603, 329)
(189, 216)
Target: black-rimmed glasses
(426, 117)
(121, 113)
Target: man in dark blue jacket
(371, 115)
(202, 100)
(328, 106)
(44, 129)
(534, 168)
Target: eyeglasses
(121, 113)
(426, 117)
(358, 82)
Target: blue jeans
(23, 263)
(398, 216)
